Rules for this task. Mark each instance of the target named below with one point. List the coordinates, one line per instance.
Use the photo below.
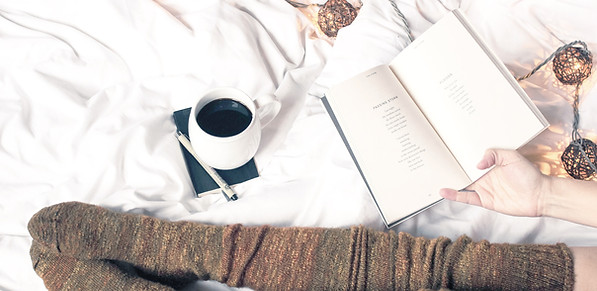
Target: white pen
(228, 192)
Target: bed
(88, 88)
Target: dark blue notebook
(202, 182)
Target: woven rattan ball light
(334, 15)
(579, 159)
(572, 65)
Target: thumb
(498, 157)
(488, 160)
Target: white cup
(224, 136)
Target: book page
(466, 93)
(402, 160)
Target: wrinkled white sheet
(87, 89)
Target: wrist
(547, 201)
(556, 199)
(571, 200)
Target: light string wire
(405, 25)
(576, 42)
(301, 5)
(577, 139)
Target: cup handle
(267, 108)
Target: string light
(572, 64)
(579, 159)
(335, 14)
(331, 16)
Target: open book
(424, 121)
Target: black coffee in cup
(224, 117)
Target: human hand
(514, 186)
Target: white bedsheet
(87, 89)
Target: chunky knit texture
(62, 272)
(81, 246)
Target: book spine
(328, 108)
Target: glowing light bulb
(572, 65)
(334, 15)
